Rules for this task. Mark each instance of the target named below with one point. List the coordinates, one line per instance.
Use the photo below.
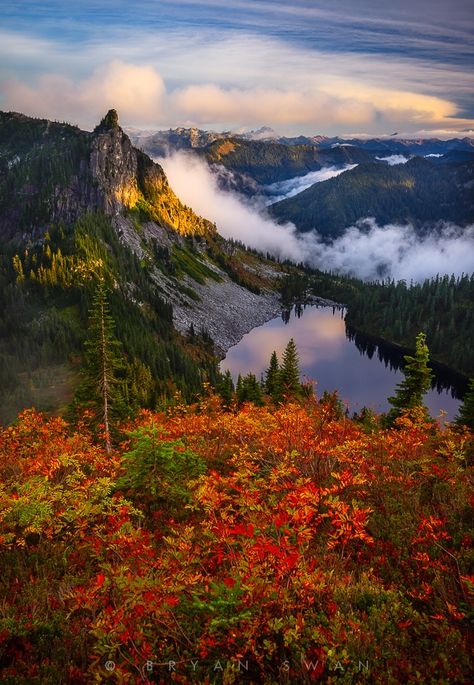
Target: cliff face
(113, 169)
(54, 173)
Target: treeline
(281, 382)
(397, 311)
(442, 307)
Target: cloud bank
(372, 252)
(139, 93)
(194, 183)
(365, 250)
(226, 80)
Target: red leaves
(281, 519)
(171, 601)
(247, 530)
(304, 536)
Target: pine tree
(465, 416)
(289, 372)
(248, 390)
(226, 388)
(103, 361)
(417, 381)
(272, 379)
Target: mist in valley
(365, 250)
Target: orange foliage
(305, 547)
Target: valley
(108, 211)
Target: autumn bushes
(272, 544)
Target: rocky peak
(109, 122)
(113, 164)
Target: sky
(333, 67)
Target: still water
(363, 373)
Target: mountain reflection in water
(362, 371)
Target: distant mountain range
(418, 181)
(194, 138)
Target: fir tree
(465, 416)
(138, 386)
(103, 361)
(289, 372)
(239, 387)
(226, 388)
(417, 381)
(272, 379)
(248, 390)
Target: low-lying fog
(366, 249)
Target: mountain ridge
(421, 192)
(77, 206)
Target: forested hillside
(397, 311)
(418, 192)
(442, 307)
(78, 208)
(267, 162)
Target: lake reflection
(328, 357)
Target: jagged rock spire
(110, 121)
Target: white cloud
(197, 187)
(135, 91)
(392, 160)
(396, 251)
(231, 79)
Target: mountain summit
(110, 121)
(60, 172)
(77, 207)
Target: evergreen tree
(101, 390)
(226, 388)
(273, 379)
(417, 381)
(466, 410)
(289, 372)
(138, 386)
(248, 390)
(239, 388)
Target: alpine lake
(364, 371)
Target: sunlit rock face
(113, 166)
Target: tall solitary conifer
(103, 361)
